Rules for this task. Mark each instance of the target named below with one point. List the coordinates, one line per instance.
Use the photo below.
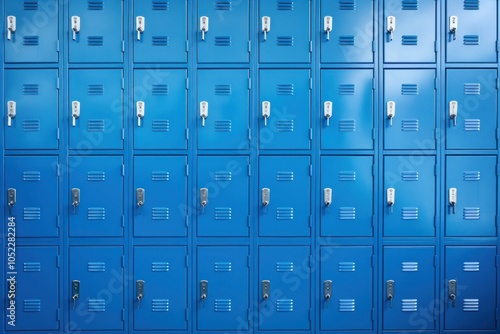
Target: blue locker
(98, 97)
(162, 212)
(96, 196)
(413, 36)
(471, 117)
(473, 179)
(285, 99)
(412, 94)
(409, 277)
(475, 36)
(36, 289)
(285, 37)
(284, 288)
(163, 301)
(410, 215)
(32, 102)
(471, 276)
(350, 38)
(99, 37)
(285, 196)
(222, 200)
(226, 93)
(35, 38)
(227, 38)
(222, 297)
(348, 304)
(349, 94)
(163, 94)
(99, 304)
(163, 38)
(35, 181)
(350, 211)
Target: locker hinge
(58, 134)
(123, 170)
(310, 261)
(248, 316)
(435, 170)
(249, 170)
(497, 83)
(249, 219)
(123, 46)
(123, 83)
(123, 261)
(123, 134)
(310, 170)
(58, 261)
(435, 83)
(373, 260)
(58, 222)
(373, 170)
(57, 47)
(373, 83)
(187, 83)
(249, 47)
(57, 83)
(186, 314)
(123, 314)
(187, 46)
(58, 171)
(310, 46)
(123, 221)
(310, 83)
(498, 46)
(249, 134)
(58, 314)
(310, 134)
(496, 261)
(498, 170)
(187, 221)
(310, 222)
(435, 133)
(310, 315)
(187, 134)
(187, 169)
(496, 221)
(498, 133)
(373, 134)
(373, 46)
(435, 46)
(186, 263)
(248, 261)
(249, 83)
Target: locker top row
(161, 31)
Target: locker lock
(140, 26)
(391, 111)
(140, 195)
(75, 26)
(75, 198)
(75, 111)
(75, 291)
(11, 26)
(141, 111)
(11, 199)
(452, 198)
(391, 26)
(452, 291)
(203, 290)
(266, 111)
(327, 289)
(266, 197)
(391, 198)
(327, 111)
(389, 288)
(139, 290)
(454, 111)
(454, 26)
(266, 26)
(266, 289)
(203, 198)
(328, 26)
(11, 112)
(203, 112)
(327, 196)
(203, 26)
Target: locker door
(288, 303)
(288, 125)
(100, 97)
(350, 125)
(471, 41)
(348, 270)
(413, 123)
(222, 200)
(163, 211)
(413, 39)
(474, 179)
(36, 36)
(288, 39)
(413, 213)
(473, 269)
(160, 42)
(164, 94)
(35, 95)
(227, 95)
(164, 302)
(287, 209)
(99, 209)
(351, 37)
(475, 124)
(227, 38)
(350, 212)
(35, 181)
(99, 305)
(224, 270)
(36, 289)
(412, 272)
(100, 38)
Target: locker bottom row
(222, 288)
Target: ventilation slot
(96, 214)
(472, 214)
(95, 89)
(284, 5)
(30, 5)
(471, 266)
(160, 5)
(472, 176)
(347, 176)
(471, 305)
(284, 125)
(347, 213)
(347, 266)
(31, 176)
(223, 176)
(222, 5)
(409, 266)
(159, 89)
(409, 4)
(284, 213)
(31, 125)
(159, 40)
(347, 4)
(284, 305)
(346, 40)
(222, 89)
(222, 40)
(409, 89)
(409, 305)
(409, 40)
(284, 266)
(95, 125)
(409, 176)
(95, 5)
(284, 40)
(472, 89)
(30, 89)
(160, 213)
(160, 305)
(223, 266)
(32, 267)
(347, 125)
(471, 4)
(160, 266)
(31, 214)
(472, 124)
(409, 213)
(284, 89)
(160, 176)
(97, 305)
(410, 125)
(347, 89)
(222, 305)
(160, 125)
(471, 40)
(347, 305)
(95, 41)
(30, 40)
(284, 176)
(32, 305)
(96, 266)
(96, 176)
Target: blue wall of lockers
(250, 166)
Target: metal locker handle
(203, 198)
(140, 195)
(140, 111)
(203, 112)
(75, 26)
(327, 289)
(391, 198)
(453, 198)
(391, 26)
(11, 26)
(75, 291)
(327, 194)
(75, 198)
(391, 111)
(452, 291)
(454, 26)
(266, 26)
(140, 26)
(139, 291)
(327, 111)
(203, 26)
(328, 20)
(203, 290)
(11, 199)
(266, 111)
(454, 111)
(389, 288)
(11, 112)
(266, 289)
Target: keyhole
(453, 298)
(140, 204)
(390, 300)
(139, 298)
(75, 297)
(75, 204)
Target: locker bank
(250, 166)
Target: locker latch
(266, 289)
(75, 111)
(452, 198)
(391, 111)
(11, 199)
(452, 291)
(139, 291)
(140, 194)
(454, 26)
(391, 198)
(266, 26)
(266, 198)
(75, 291)
(141, 111)
(75, 26)
(140, 26)
(11, 112)
(389, 287)
(203, 112)
(327, 289)
(11, 26)
(75, 198)
(327, 196)
(203, 198)
(203, 26)
(454, 111)
(328, 20)
(391, 26)
(203, 290)
(266, 111)
(328, 106)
